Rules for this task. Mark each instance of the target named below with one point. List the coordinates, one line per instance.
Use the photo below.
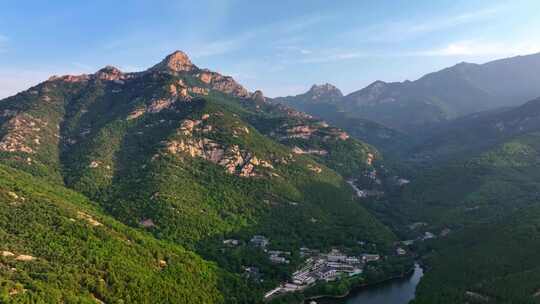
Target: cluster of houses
(323, 267)
(275, 256)
(316, 268)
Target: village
(317, 266)
(322, 267)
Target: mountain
(477, 192)
(440, 96)
(325, 101)
(477, 132)
(187, 157)
(324, 93)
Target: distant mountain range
(436, 97)
(326, 101)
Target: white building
(371, 257)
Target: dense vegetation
(81, 255)
(488, 203)
(486, 263)
(181, 171)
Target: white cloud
(280, 29)
(478, 48)
(334, 56)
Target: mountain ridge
(443, 95)
(192, 158)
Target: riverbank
(365, 288)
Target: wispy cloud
(221, 47)
(333, 56)
(452, 21)
(402, 30)
(279, 29)
(479, 48)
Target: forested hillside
(193, 159)
(57, 246)
(486, 263)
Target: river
(399, 291)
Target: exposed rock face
(158, 105)
(7, 254)
(136, 113)
(315, 169)
(297, 150)
(225, 84)
(324, 93)
(109, 73)
(232, 158)
(71, 78)
(302, 131)
(175, 62)
(370, 158)
(88, 218)
(343, 135)
(198, 90)
(258, 96)
(94, 164)
(206, 77)
(22, 134)
(24, 258)
(147, 223)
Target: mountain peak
(324, 88)
(109, 73)
(176, 62)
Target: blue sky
(280, 47)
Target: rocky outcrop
(175, 62)
(70, 78)
(109, 73)
(157, 105)
(88, 218)
(298, 150)
(198, 91)
(225, 84)
(301, 131)
(136, 113)
(370, 158)
(315, 169)
(258, 96)
(24, 258)
(234, 159)
(324, 93)
(22, 134)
